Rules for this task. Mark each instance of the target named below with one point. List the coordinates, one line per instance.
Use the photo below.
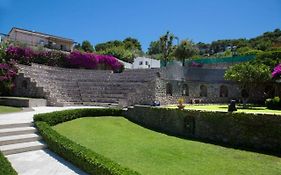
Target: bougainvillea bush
(75, 59)
(7, 75)
(277, 72)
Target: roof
(42, 34)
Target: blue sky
(104, 20)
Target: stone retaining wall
(255, 131)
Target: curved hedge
(88, 160)
(5, 166)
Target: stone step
(22, 147)
(17, 131)
(6, 140)
(15, 125)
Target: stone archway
(203, 91)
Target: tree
(185, 50)
(87, 46)
(166, 46)
(132, 44)
(248, 75)
(119, 52)
(78, 47)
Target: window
(140, 63)
(146, 62)
(203, 91)
(169, 89)
(185, 90)
(223, 91)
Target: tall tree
(87, 46)
(185, 50)
(166, 46)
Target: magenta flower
(277, 71)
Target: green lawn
(215, 107)
(8, 109)
(150, 152)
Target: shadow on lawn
(208, 141)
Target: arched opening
(169, 89)
(185, 90)
(269, 91)
(203, 91)
(223, 91)
(24, 84)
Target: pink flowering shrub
(276, 72)
(75, 59)
(7, 75)
(94, 61)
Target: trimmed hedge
(5, 166)
(242, 130)
(86, 159)
(54, 118)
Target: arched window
(269, 91)
(223, 91)
(169, 89)
(203, 91)
(185, 90)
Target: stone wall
(253, 131)
(62, 86)
(193, 92)
(24, 87)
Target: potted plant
(180, 104)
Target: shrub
(7, 75)
(75, 59)
(277, 72)
(5, 166)
(54, 118)
(274, 103)
(89, 161)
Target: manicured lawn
(211, 107)
(8, 109)
(150, 152)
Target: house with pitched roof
(35, 39)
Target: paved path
(40, 162)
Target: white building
(145, 63)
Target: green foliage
(270, 58)
(246, 73)
(119, 52)
(54, 118)
(125, 50)
(274, 103)
(185, 50)
(87, 46)
(88, 160)
(5, 166)
(132, 44)
(166, 46)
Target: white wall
(145, 63)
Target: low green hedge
(5, 166)
(87, 160)
(54, 118)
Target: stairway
(18, 138)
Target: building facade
(145, 63)
(36, 39)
